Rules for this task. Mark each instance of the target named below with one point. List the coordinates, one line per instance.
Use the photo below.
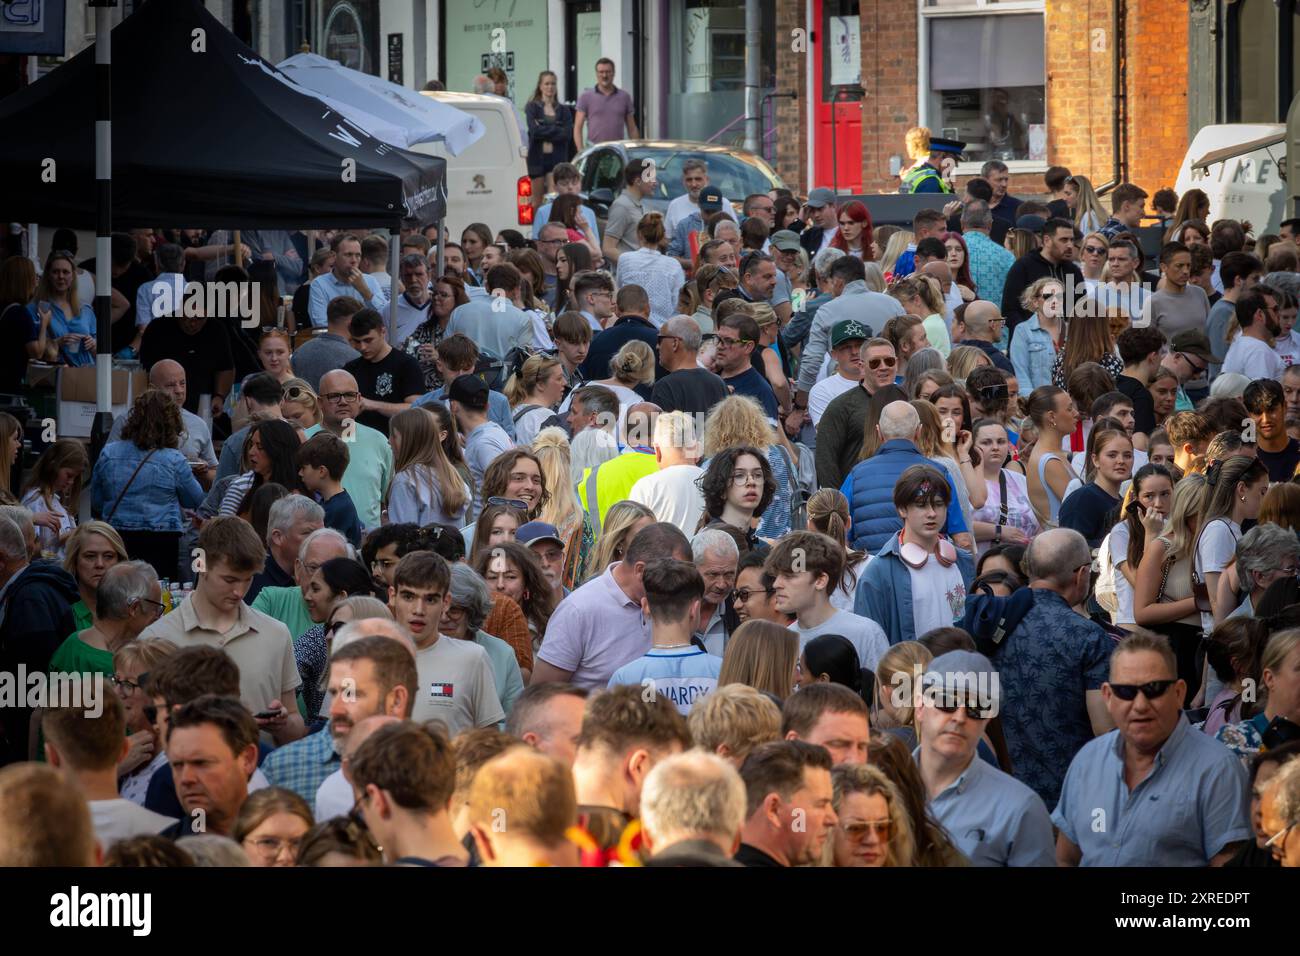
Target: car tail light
(524, 200)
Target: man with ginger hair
(521, 806)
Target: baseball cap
(710, 199)
(471, 391)
(846, 331)
(785, 240)
(966, 675)
(1194, 342)
(535, 531)
(821, 196)
(1034, 224)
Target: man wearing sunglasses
(1188, 357)
(994, 819)
(1153, 792)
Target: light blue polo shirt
(682, 674)
(1194, 802)
(993, 818)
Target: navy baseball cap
(535, 531)
(710, 199)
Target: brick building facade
(1078, 89)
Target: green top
(82, 617)
(76, 656)
(286, 606)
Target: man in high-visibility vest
(612, 481)
(935, 162)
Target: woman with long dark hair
(270, 455)
(473, 241)
(334, 582)
(959, 263)
(512, 569)
(1146, 505)
(737, 486)
(572, 258)
(567, 210)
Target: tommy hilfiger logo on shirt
(441, 690)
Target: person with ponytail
(426, 487)
(832, 659)
(1089, 509)
(1236, 489)
(828, 512)
(1055, 415)
(534, 392)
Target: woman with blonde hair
(660, 275)
(872, 826)
(551, 446)
(53, 494)
(534, 392)
(271, 825)
(894, 758)
(963, 360)
(71, 324)
(1088, 212)
(920, 295)
(1092, 260)
(1036, 342)
(1020, 242)
(898, 244)
(769, 330)
(631, 373)
(828, 512)
(1087, 339)
(91, 550)
(761, 655)
(300, 404)
(739, 421)
(426, 488)
(622, 522)
(1163, 598)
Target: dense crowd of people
(722, 535)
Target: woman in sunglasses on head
(334, 581)
(300, 404)
(918, 581)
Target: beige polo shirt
(259, 644)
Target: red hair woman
(854, 234)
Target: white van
(489, 181)
(1244, 176)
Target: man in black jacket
(1055, 259)
(826, 219)
(633, 306)
(692, 809)
(36, 601)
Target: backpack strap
(523, 410)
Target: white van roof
(1239, 167)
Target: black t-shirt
(203, 355)
(751, 383)
(341, 515)
(693, 390)
(1090, 511)
(1144, 407)
(391, 379)
(128, 283)
(1280, 464)
(17, 328)
(752, 856)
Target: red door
(837, 119)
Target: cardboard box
(77, 403)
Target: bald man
(983, 322)
(195, 442)
(370, 461)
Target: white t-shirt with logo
(938, 595)
(456, 686)
(682, 674)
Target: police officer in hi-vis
(934, 162)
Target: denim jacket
(884, 593)
(153, 502)
(1032, 354)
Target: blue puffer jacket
(870, 491)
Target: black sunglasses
(1152, 690)
(973, 711)
(744, 594)
(508, 502)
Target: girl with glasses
(271, 826)
(131, 666)
(448, 294)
